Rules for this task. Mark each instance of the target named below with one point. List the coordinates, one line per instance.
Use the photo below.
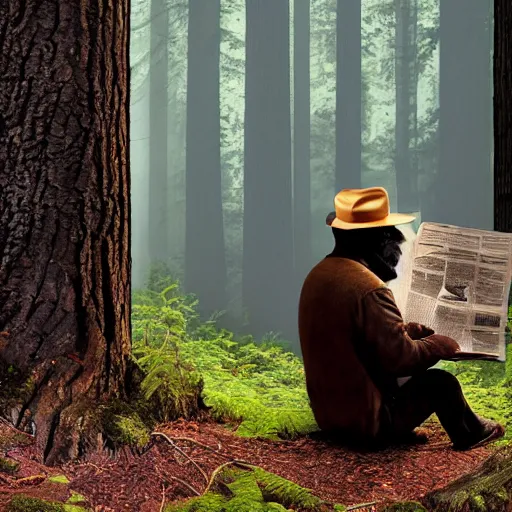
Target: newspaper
(457, 281)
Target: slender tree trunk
(348, 95)
(205, 263)
(158, 104)
(464, 186)
(301, 143)
(406, 105)
(502, 116)
(268, 236)
(64, 203)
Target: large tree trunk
(406, 167)
(158, 101)
(464, 184)
(268, 236)
(64, 204)
(301, 140)
(348, 95)
(502, 116)
(205, 262)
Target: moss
(8, 466)
(278, 489)
(276, 507)
(211, 502)
(72, 508)
(256, 490)
(406, 506)
(76, 498)
(23, 503)
(130, 430)
(59, 479)
(477, 503)
(122, 424)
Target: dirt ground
(178, 467)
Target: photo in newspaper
(457, 281)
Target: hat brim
(393, 219)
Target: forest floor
(179, 464)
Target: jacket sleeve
(386, 338)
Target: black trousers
(431, 392)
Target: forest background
(245, 125)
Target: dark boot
(491, 431)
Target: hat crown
(362, 205)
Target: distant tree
(268, 232)
(406, 127)
(348, 95)
(65, 223)
(232, 73)
(158, 104)
(323, 119)
(177, 45)
(301, 142)
(465, 177)
(205, 265)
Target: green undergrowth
(253, 490)
(259, 387)
(406, 506)
(8, 466)
(24, 503)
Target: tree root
(488, 488)
(187, 485)
(179, 450)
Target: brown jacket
(354, 346)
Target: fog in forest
(248, 117)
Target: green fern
(254, 490)
(173, 382)
(260, 387)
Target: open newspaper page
(457, 283)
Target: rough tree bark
(64, 209)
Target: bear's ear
(330, 218)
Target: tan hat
(364, 208)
